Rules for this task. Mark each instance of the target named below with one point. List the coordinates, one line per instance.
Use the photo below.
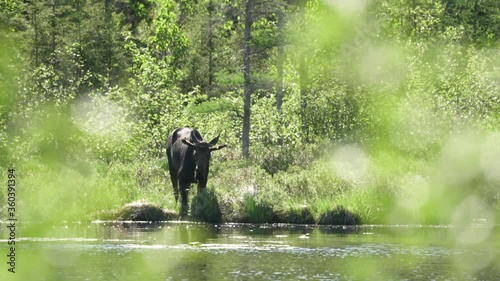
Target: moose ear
(185, 141)
(218, 147)
(214, 141)
(194, 137)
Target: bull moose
(188, 161)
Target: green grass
(205, 207)
(239, 192)
(343, 184)
(59, 192)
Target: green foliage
(265, 34)
(8, 87)
(205, 207)
(168, 39)
(338, 216)
(140, 10)
(141, 211)
(213, 106)
(382, 116)
(300, 214)
(254, 211)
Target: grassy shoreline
(355, 188)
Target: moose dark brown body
(188, 161)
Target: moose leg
(202, 184)
(174, 177)
(175, 185)
(184, 198)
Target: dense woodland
(89, 85)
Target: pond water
(191, 251)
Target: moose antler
(218, 147)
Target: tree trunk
(279, 63)
(303, 80)
(36, 34)
(108, 47)
(210, 49)
(80, 40)
(53, 26)
(246, 75)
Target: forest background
(382, 111)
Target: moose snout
(199, 175)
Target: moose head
(202, 150)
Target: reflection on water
(177, 251)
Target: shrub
(205, 207)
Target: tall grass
(387, 189)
